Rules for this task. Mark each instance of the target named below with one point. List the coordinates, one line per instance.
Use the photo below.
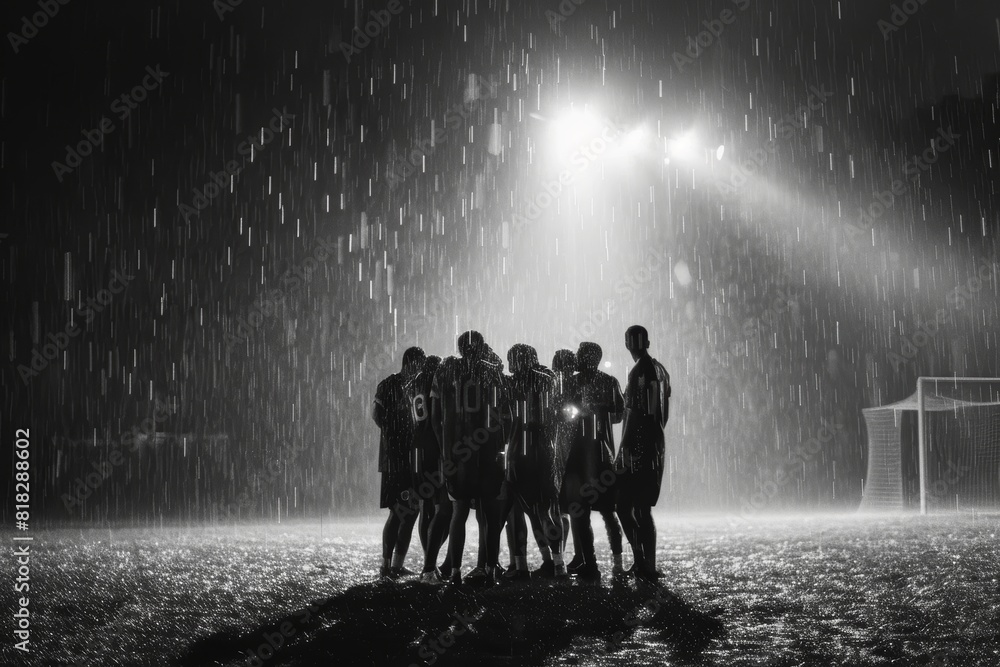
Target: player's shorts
(590, 477)
(639, 487)
(397, 487)
(481, 477)
(430, 487)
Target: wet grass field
(812, 590)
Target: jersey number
(418, 406)
(469, 396)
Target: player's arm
(664, 380)
(437, 410)
(632, 411)
(617, 410)
(504, 405)
(380, 411)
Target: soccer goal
(939, 448)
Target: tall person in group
(640, 460)
(471, 416)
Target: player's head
(564, 361)
(636, 339)
(588, 356)
(431, 364)
(413, 360)
(471, 345)
(521, 358)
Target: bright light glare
(719, 152)
(574, 129)
(636, 140)
(684, 147)
(607, 364)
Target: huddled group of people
(534, 448)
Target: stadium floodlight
(636, 140)
(573, 128)
(683, 147)
(720, 151)
(957, 448)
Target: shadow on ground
(412, 624)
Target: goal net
(937, 449)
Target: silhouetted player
(428, 478)
(469, 414)
(478, 575)
(533, 477)
(391, 411)
(590, 478)
(641, 459)
(565, 408)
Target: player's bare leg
(456, 538)
(517, 541)
(390, 532)
(403, 536)
(647, 535)
(427, 508)
(614, 531)
(546, 527)
(630, 528)
(436, 535)
(550, 534)
(478, 574)
(583, 539)
(400, 515)
(495, 513)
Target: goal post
(957, 426)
